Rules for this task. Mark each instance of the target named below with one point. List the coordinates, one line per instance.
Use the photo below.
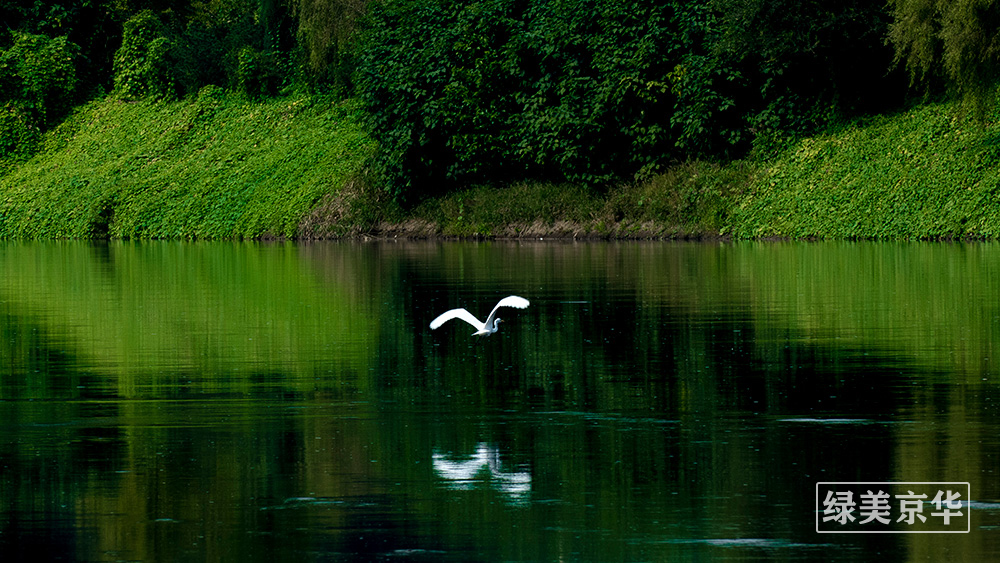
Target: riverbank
(220, 166)
(692, 200)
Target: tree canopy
(598, 91)
(956, 43)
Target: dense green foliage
(634, 108)
(214, 166)
(94, 26)
(141, 65)
(54, 55)
(600, 91)
(229, 44)
(957, 41)
(38, 82)
(325, 33)
(807, 65)
(220, 166)
(506, 89)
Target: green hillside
(214, 166)
(930, 172)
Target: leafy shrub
(92, 26)
(593, 104)
(19, 134)
(37, 86)
(957, 41)
(259, 73)
(694, 195)
(597, 91)
(233, 44)
(506, 89)
(199, 56)
(806, 65)
(142, 65)
(39, 74)
(324, 34)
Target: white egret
(482, 328)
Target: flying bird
(482, 328)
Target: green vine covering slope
(215, 166)
(930, 172)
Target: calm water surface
(282, 402)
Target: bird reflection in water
(484, 466)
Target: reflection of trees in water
(484, 466)
(711, 387)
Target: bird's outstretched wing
(509, 301)
(456, 314)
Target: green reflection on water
(149, 317)
(178, 400)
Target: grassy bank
(691, 200)
(928, 173)
(217, 166)
(223, 167)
